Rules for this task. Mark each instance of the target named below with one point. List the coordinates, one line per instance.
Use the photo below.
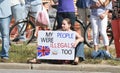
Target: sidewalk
(62, 67)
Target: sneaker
(107, 54)
(19, 39)
(4, 59)
(20, 42)
(16, 39)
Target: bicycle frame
(81, 23)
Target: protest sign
(56, 45)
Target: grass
(21, 53)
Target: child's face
(65, 25)
(47, 5)
(109, 15)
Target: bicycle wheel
(110, 33)
(89, 35)
(24, 34)
(79, 26)
(54, 23)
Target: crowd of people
(64, 12)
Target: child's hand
(75, 43)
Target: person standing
(116, 27)
(34, 6)
(99, 19)
(52, 11)
(18, 12)
(5, 18)
(83, 10)
(65, 9)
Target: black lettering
(66, 52)
(47, 40)
(48, 34)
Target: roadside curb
(80, 67)
(62, 67)
(15, 66)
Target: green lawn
(21, 53)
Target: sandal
(76, 61)
(34, 61)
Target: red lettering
(61, 45)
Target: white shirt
(5, 8)
(15, 2)
(100, 10)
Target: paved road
(42, 71)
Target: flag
(43, 51)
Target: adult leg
(82, 13)
(35, 8)
(94, 23)
(19, 14)
(102, 28)
(116, 31)
(59, 20)
(4, 28)
(71, 16)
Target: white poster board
(56, 45)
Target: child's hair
(68, 20)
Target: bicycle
(82, 28)
(89, 38)
(28, 29)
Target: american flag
(43, 51)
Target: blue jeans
(100, 54)
(4, 28)
(79, 51)
(19, 13)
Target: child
(78, 44)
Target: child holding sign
(78, 44)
